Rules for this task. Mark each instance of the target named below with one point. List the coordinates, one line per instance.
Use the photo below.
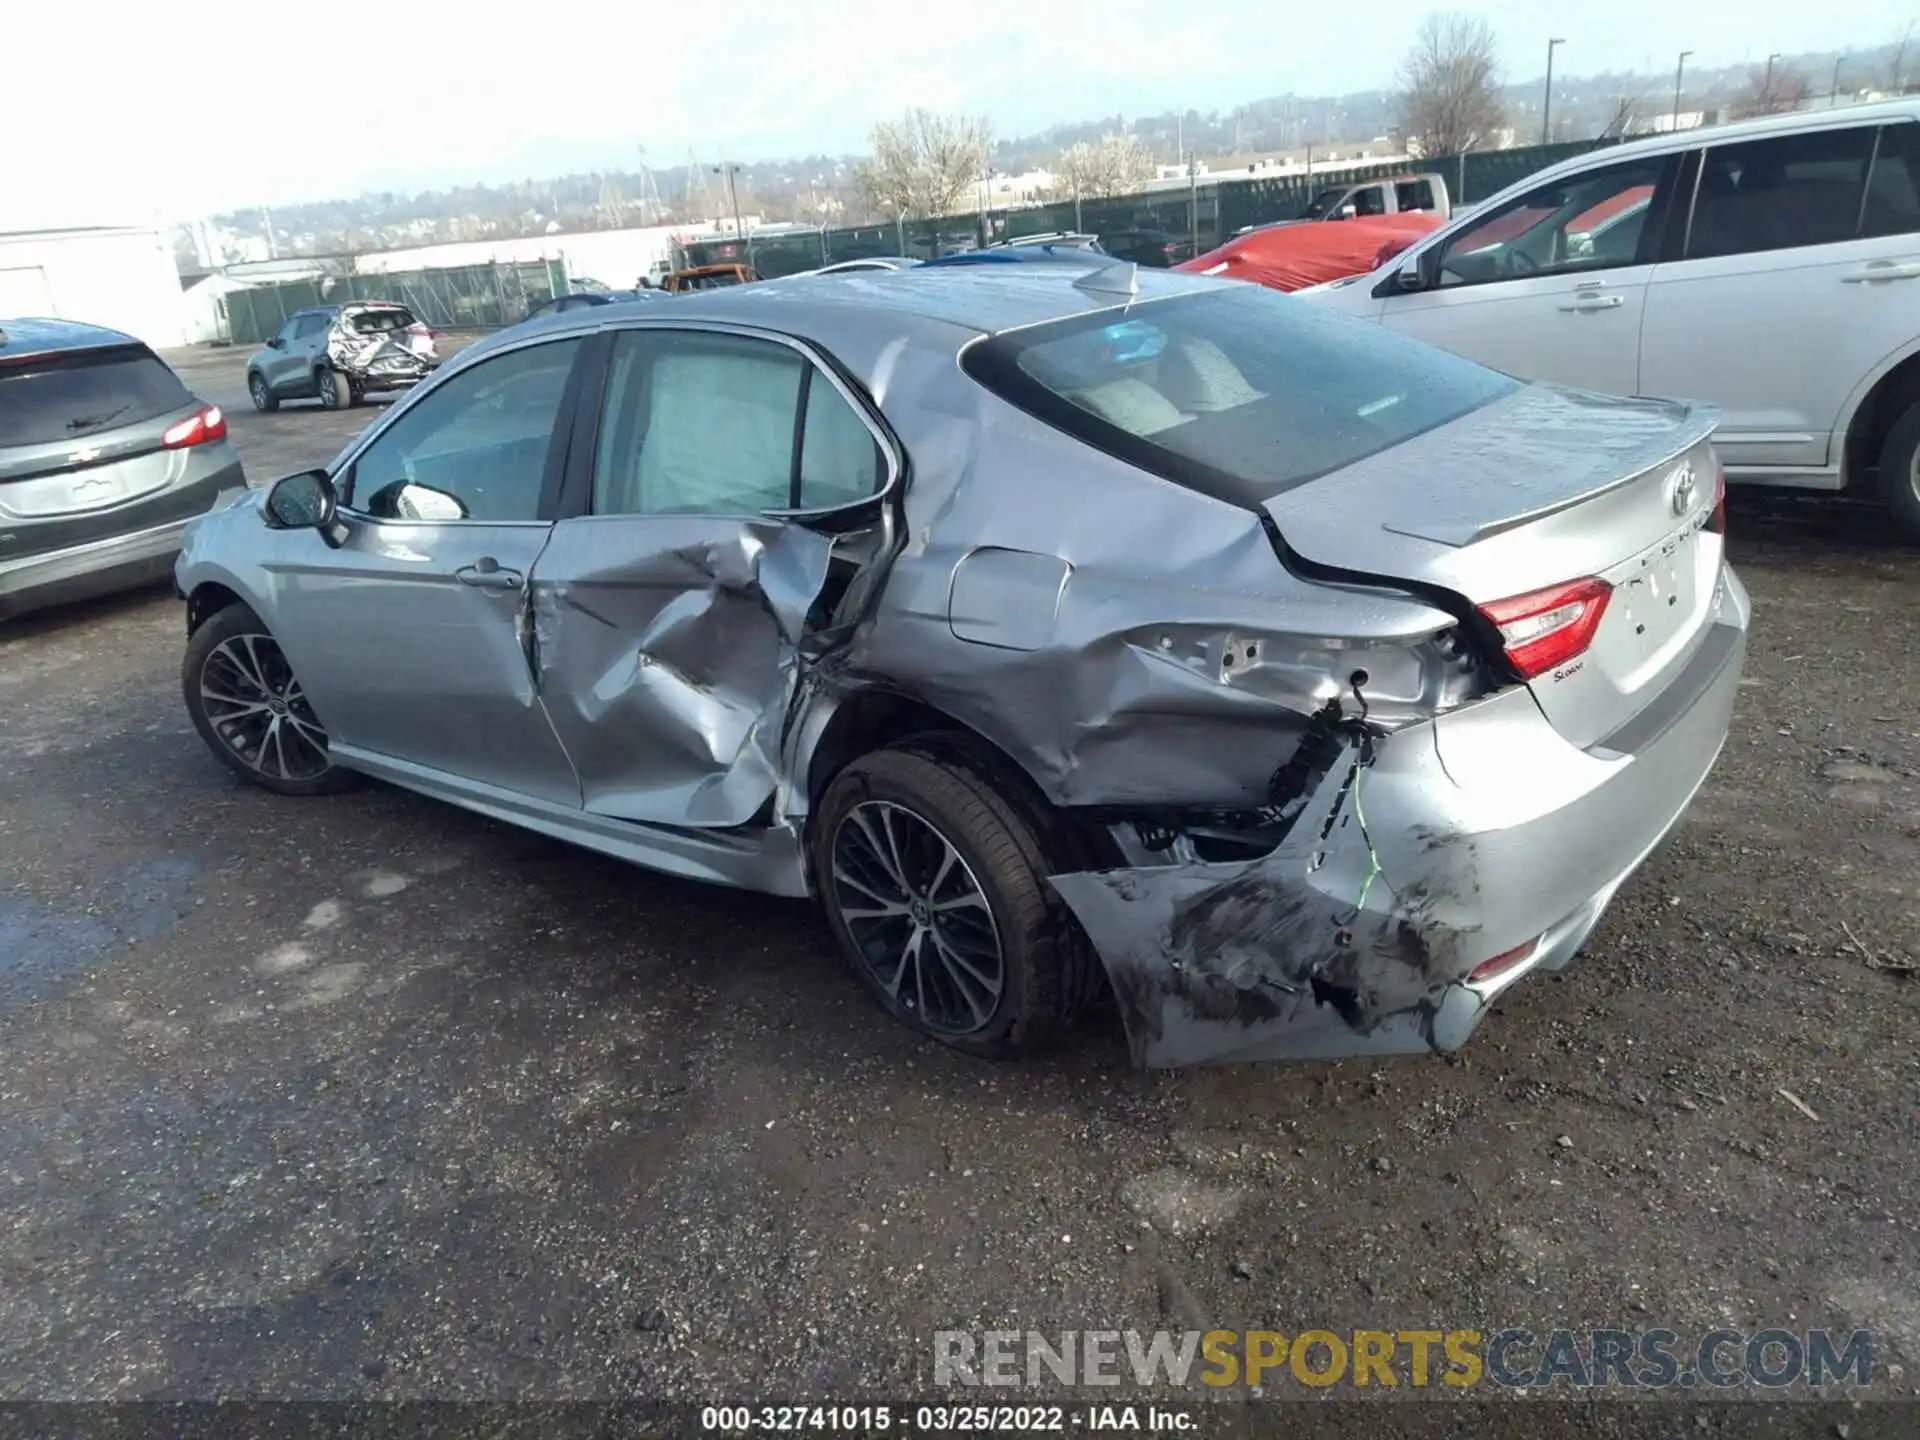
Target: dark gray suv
(104, 458)
(336, 354)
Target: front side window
(1593, 220)
(475, 448)
(1240, 393)
(1370, 201)
(712, 424)
(1780, 193)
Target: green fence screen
(464, 297)
(1209, 213)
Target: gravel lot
(369, 1097)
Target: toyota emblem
(1681, 490)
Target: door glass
(1594, 220)
(1893, 189)
(1414, 195)
(311, 325)
(697, 425)
(473, 449)
(839, 458)
(1370, 201)
(1779, 194)
(289, 330)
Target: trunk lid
(1537, 490)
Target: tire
(1900, 472)
(916, 804)
(264, 400)
(336, 391)
(234, 655)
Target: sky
(221, 105)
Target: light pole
(728, 170)
(1546, 104)
(1833, 95)
(1766, 94)
(1678, 72)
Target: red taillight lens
(1718, 524)
(1546, 628)
(1500, 964)
(199, 429)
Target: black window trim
(1860, 210)
(560, 435)
(575, 498)
(1651, 235)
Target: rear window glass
(69, 397)
(1241, 393)
(380, 322)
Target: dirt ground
(368, 1096)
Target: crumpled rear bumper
(1487, 831)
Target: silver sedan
(1056, 628)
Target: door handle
(1883, 270)
(486, 574)
(1596, 302)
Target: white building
(122, 277)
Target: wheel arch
(877, 719)
(210, 591)
(1874, 408)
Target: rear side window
(1241, 393)
(1414, 195)
(1893, 189)
(311, 325)
(69, 397)
(1780, 193)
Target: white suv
(1770, 267)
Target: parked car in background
(1370, 199)
(731, 588)
(1058, 239)
(588, 299)
(1159, 249)
(339, 354)
(866, 264)
(104, 458)
(1292, 257)
(1771, 267)
(1073, 250)
(707, 277)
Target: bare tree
(1771, 90)
(1449, 85)
(1626, 109)
(1110, 165)
(923, 164)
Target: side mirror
(1346, 212)
(305, 501)
(276, 343)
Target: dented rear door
(671, 612)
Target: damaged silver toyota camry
(1055, 626)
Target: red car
(1292, 257)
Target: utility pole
(1546, 103)
(1833, 94)
(1766, 95)
(727, 169)
(1679, 71)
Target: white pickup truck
(1391, 195)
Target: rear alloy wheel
(264, 400)
(935, 886)
(336, 391)
(248, 706)
(1900, 471)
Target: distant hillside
(817, 188)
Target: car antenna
(1120, 278)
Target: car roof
(42, 336)
(1878, 112)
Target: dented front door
(668, 658)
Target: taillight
(1547, 628)
(1490, 970)
(1718, 524)
(199, 429)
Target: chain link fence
(1203, 216)
(464, 297)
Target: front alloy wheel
(249, 707)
